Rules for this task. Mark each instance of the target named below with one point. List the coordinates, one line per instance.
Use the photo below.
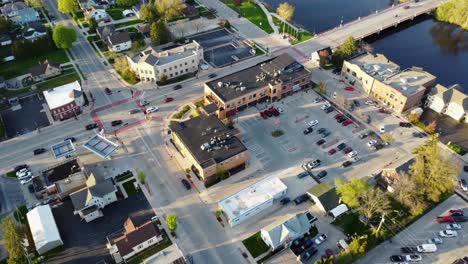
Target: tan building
(210, 146)
(45, 70)
(150, 64)
(400, 90)
(268, 81)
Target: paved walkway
(269, 17)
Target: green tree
(141, 176)
(433, 173)
(127, 3)
(406, 193)
(169, 9)
(373, 202)
(67, 6)
(5, 25)
(163, 78)
(348, 47)
(158, 33)
(236, 2)
(351, 191)
(357, 247)
(453, 11)
(34, 3)
(12, 237)
(221, 173)
(337, 58)
(121, 66)
(413, 117)
(64, 36)
(286, 12)
(387, 137)
(149, 13)
(171, 221)
(93, 25)
(322, 88)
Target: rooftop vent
(403, 80)
(376, 67)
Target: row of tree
(344, 52)
(453, 11)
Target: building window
(165, 70)
(186, 70)
(347, 70)
(354, 74)
(254, 95)
(274, 90)
(175, 67)
(150, 241)
(170, 75)
(185, 63)
(170, 68)
(176, 73)
(181, 71)
(140, 247)
(193, 61)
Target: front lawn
(252, 12)
(350, 224)
(130, 187)
(166, 242)
(176, 79)
(115, 12)
(58, 81)
(128, 23)
(303, 36)
(255, 245)
(21, 66)
(458, 149)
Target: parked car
(356, 103)
(409, 250)
(460, 219)
(326, 134)
(285, 200)
(405, 124)
(20, 167)
(349, 88)
(26, 175)
(31, 188)
(445, 219)
(453, 227)
(346, 164)
(325, 106)
(319, 240)
(397, 258)
(347, 150)
(329, 110)
(331, 151)
(419, 134)
(362, 136)
(341, 119)
(347, 122)
(341, 146)
(72, 139)
(435, 240)
(308, 254)
(133, 111)
(322, 174)
(168, 99)
(339, 115)
(463, 185)
(456, 212)
(91, 126)
(321, 130)
(280, 109)
(301, 198)
(39, 151)
(377, 146)
(26, 181)
(317, 100)
(382, 129)
(448, 233)
(186, 184)
(413, 258)
(116, 123)
(308, 130)
(144, 103)
(303, 174)
(427, 248)
(263, 115)
(152, 109)
(274, 111)
(177, 87)
(313, 123)
(320, 142)
(268, 113)
(371, 143)
(352, 154)
(212, 75)
(108, 91)
(406, 7)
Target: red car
(263, 115)
(347, 150)
(445, 219)
(168, 99)
(274, 111)
(349, 88)
(406, 7)
(338, 116)
(331, 152)
(347, 122)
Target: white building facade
(43, 229)
(449, 101)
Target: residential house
(133, 240)
(449, 101)
(119, 41)
(401, 90)
(2, 82)
(324, 195)
(87, 4)
(19, 13)
(11, 9)
(322, 56)
(104, 31)
(45, 70)
(5, 40)
(64, 101)
(96, 12)
(97, 194)
(44, 231)
(209, 145)
(287, 229)
(265, 82)
(392, 173)
(150, 64)
(169, 255)
(144, 29)
(34, 31)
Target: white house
(323, 55)
(286, 229)
(5, 40)
(252, 200)
(457, 108)
(449, 101)
(133, 239)
(97, 194)
(43, 229)
(34, 31)
(150, 64)
(119, 41)
(98, 13)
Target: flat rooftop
(252, 196)
(153, 57)
(61, 171)
(63, 149)
(410, 81)
(208, 139)
(101, 146)
(376, 65)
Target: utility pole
(381, 222)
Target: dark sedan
(39, 151)
(408, 250)
(116, 123)
(186, 184)
(91, 126)
(397, 258)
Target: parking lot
(222, 48)
(29, 117)
(452, 131)
(86, 242)
(422, 230)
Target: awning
(337, 211)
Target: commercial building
(169, 255)
(252, 200)
(64, 101)
(401, 90)
(150, 64)
(449, 101)
(265, 82)
(287, 229)
(211, 147)
(44, 230)
(133, 240)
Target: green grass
(85, 24)
(11, 174)
(78, 14)
(3, 135)
(137, 259)
(12, 93)
(21, 66)
(57, 81)
(303, 36)
(102, 46)
(128, 23)
(92, 38)
(115, 12)
(350, 224)
(181, 113)
(177, 79)
(255, 245)
(123, 176)
(130, 188)
(200, 103)
(458, 149)
(253, 13)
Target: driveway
(86, 242)
(422, 230)
(452, 131)
(29, 117)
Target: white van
(427, 248)
(342, 244)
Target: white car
(369, 102)
(454, 227)
(325, 106)
(152, 109)
(321, 239)
(22, 172)
(24, 176)
(313, 123)
(371, 143)
(435, 240)
(355, 159)
(144, 102)
(382, 129)
(25, 181)
(448, 233)
(280, 109)
(413, 258)
(352, 154)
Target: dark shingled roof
(140, 234)
(202, 129)
(41, 68)
(211, 108)
(326, 194)
(119, 38)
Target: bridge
(364, 27)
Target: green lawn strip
(255, 245)
(137, 259)
(11, 174)
(200, 103)
(58, 81)
(350, 224)
(13, 93)
(128, 23)
(123, 176)
(92, 38)
(182, 112)
(21, 66)
(177, 79)
(253, 13)
(303, 36)
(130, 187)
(458, 149)
(2, 135)
(102, 46)
(115, 12)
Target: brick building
(65, 101)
